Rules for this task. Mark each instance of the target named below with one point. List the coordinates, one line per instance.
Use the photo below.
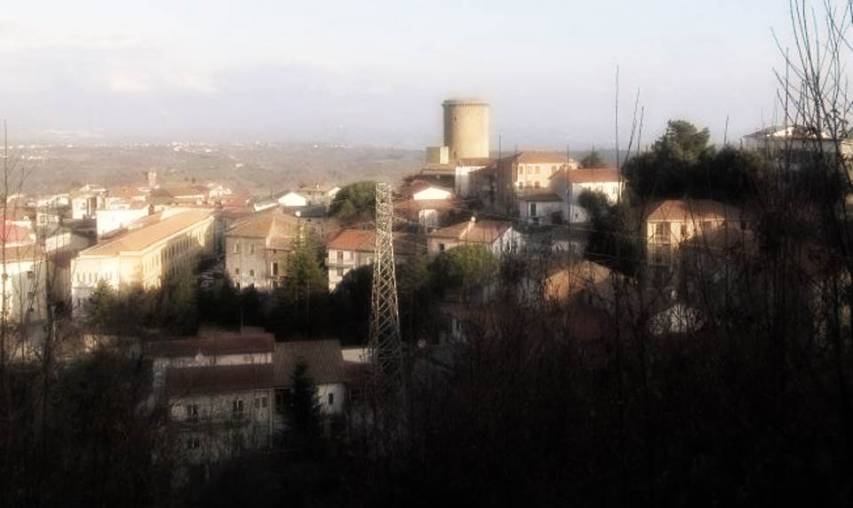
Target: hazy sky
(375, 72)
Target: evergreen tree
(354, 202)
(303, 410)
(592, 160)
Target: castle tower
(466, 128)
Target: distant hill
(255, 168)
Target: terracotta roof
(13, 233)
(474, 161)
(540, 196)
(482, 231)
(274, 225)
(542, 158)
(593, 175)
(211, 346)
(323, 358)
(143, 237)
(23, 253)
(125, 191)
(692, 209)
(361, 240)
(218, 379)
(427, 204)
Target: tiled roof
(692, 209)
(141, 238)
(539, 196)
(482, 231)
(474, 161)
(361, 240)
(593, 175)
(276, 227)
(22, 253)
(218, 379)
(13, 233)
(542, 158)
(323, 358)
(211, 346)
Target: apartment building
(672, 223)
(257, 246)
(161, 245)
(354, 248)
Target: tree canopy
(682, 163)
(354, 202)
(464, 267)
(592, 160)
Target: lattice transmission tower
(385, 348)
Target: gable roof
(323, 357)
(538, 195)
(211, 346)
(480, 231)
(143, 237)
(692, 209)
(277, 227)
(218, 379)
(361, 240)
(590, 175)
(534, 157)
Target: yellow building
(163, 244)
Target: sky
(376, 72)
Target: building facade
(166, 243)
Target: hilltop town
(237, 302)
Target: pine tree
(303, 410)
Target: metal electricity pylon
(386, 350)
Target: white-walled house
(463, 170)
(110, 220)
(572, 183)
(540, 208)
(325, 367)
(671, 223)
(293, 200)
(497, 236)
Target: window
(251, 248)
(30, 275)
(251, 273)
(340, 256)
(441, 247)
(274, 269)
(260, 402)
(683, 231)
(236, 271)
(536, 184)
(237, 409)
(662, 232)
(192, 412)
(193, 443)
(236, 247)
(532, 209)
(331, 399)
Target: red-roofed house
(672, 222)
(354, 248)
(497, 236)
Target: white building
(462, 178)
(497, 236)
(571, 184)
(540, 208)
(114, 219)
(162, 246)
(671, 223)
(293, 200)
